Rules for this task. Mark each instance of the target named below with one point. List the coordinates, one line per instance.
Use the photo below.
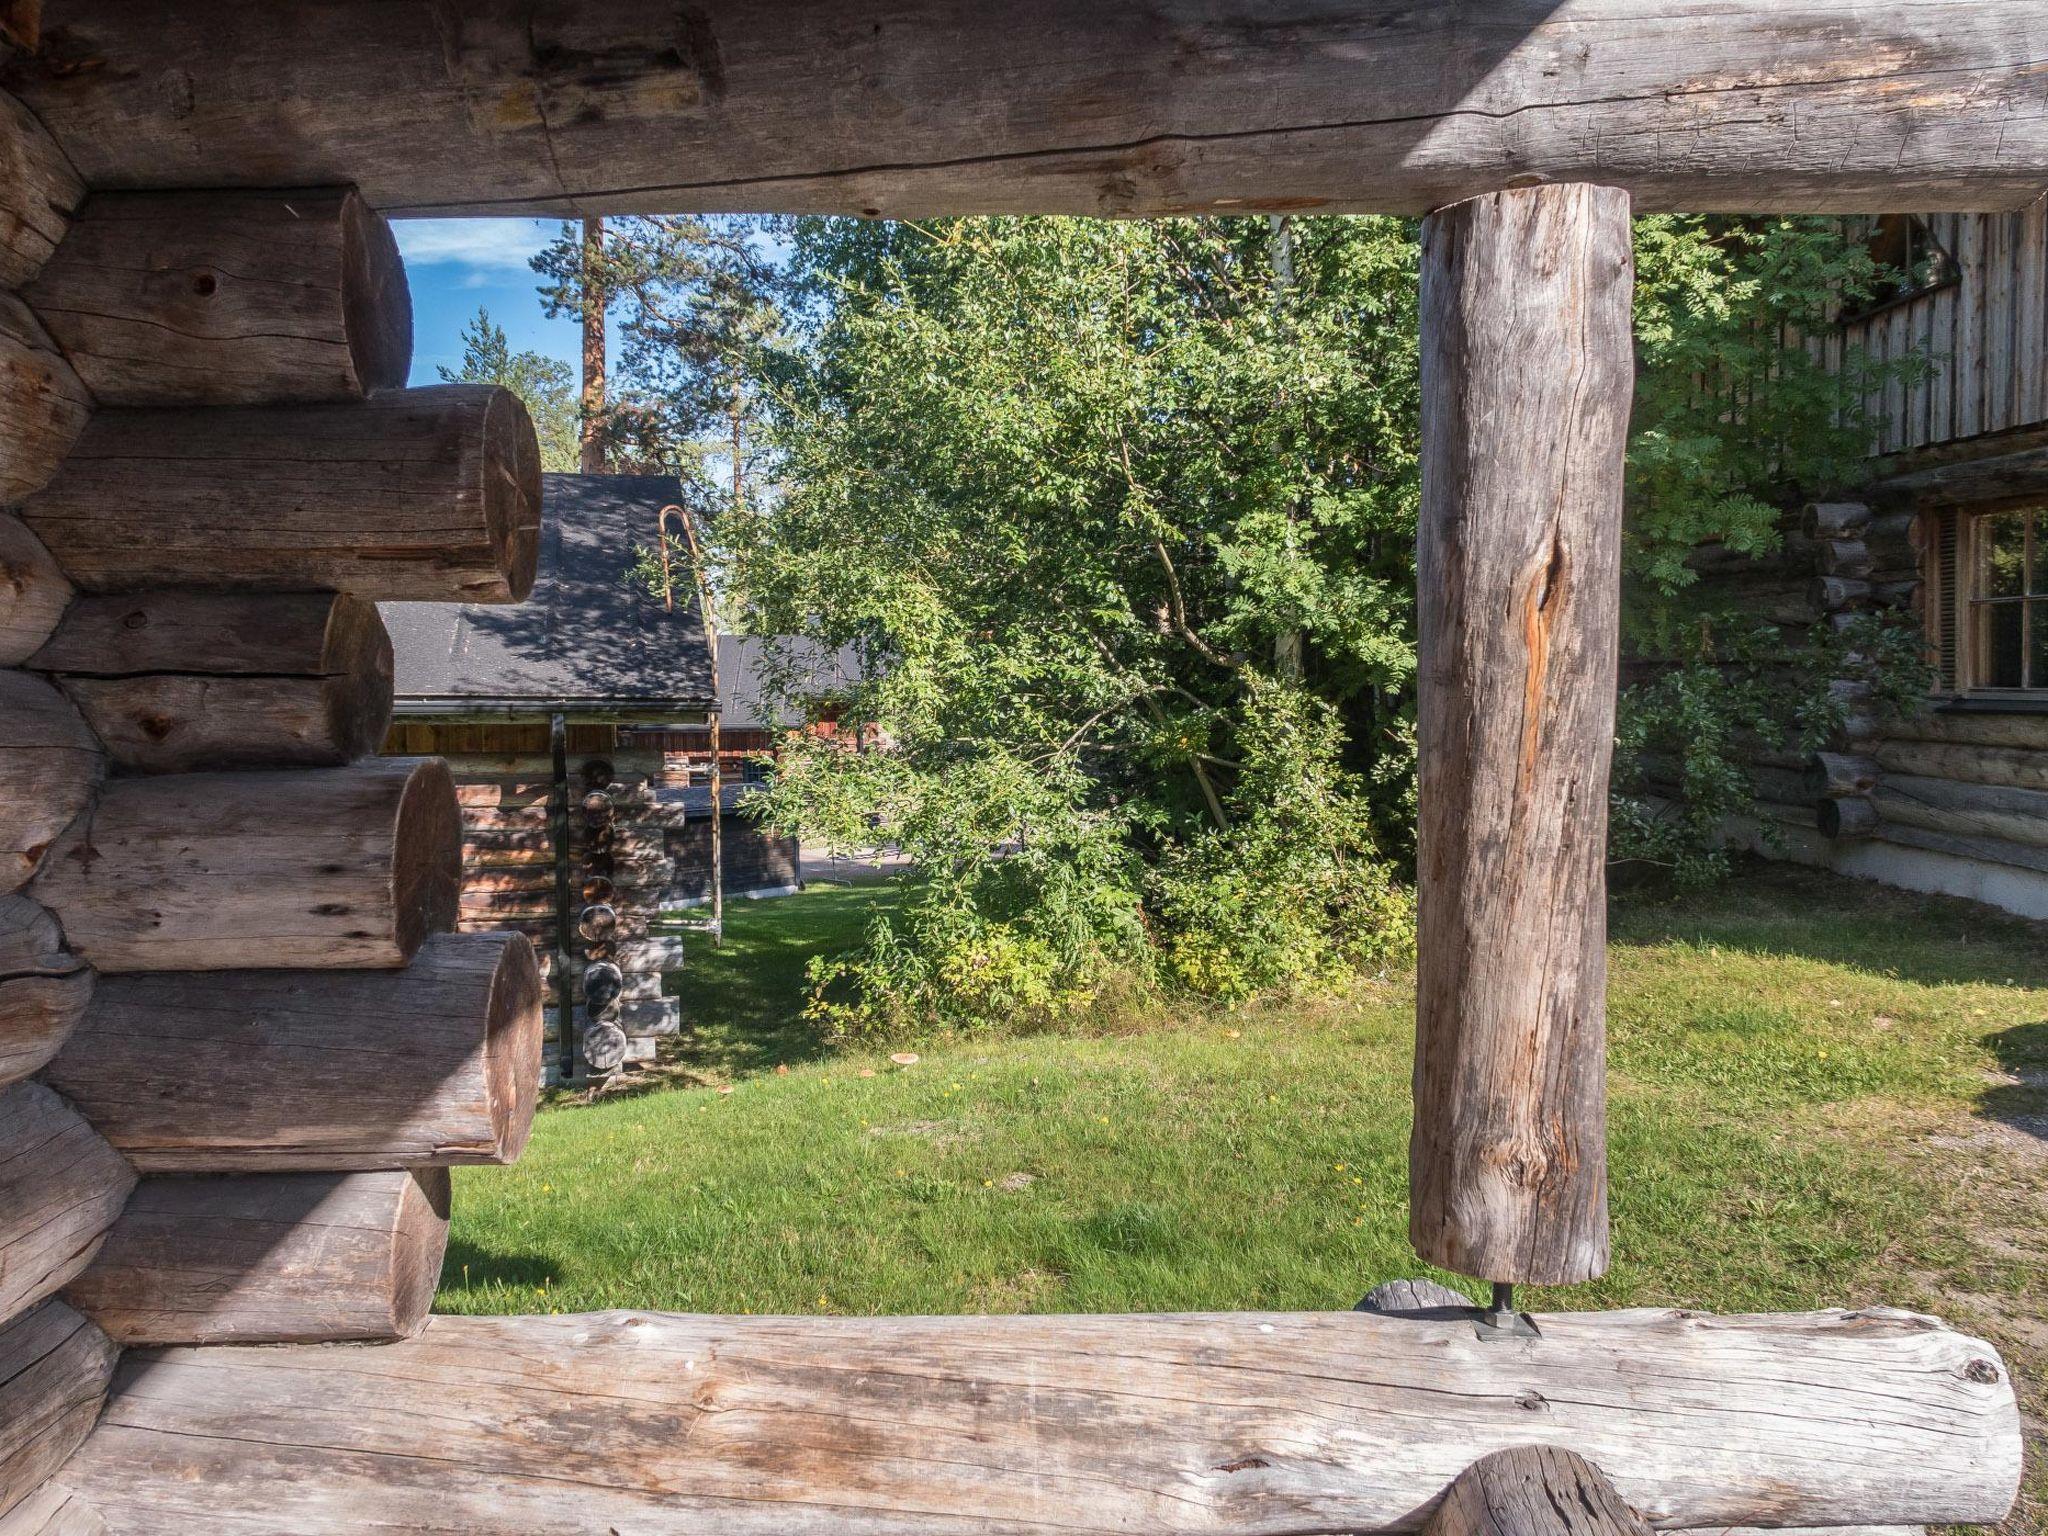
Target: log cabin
(540, 709)
(234, 434)
(1949, 531)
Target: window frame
(1955, 614)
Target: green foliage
(544, 383)
(1736, 419)
(1124, 513)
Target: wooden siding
(1986, 335)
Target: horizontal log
(1070, 108)
(38, 191)
(228, 298)
(277, 1258)
(601, 1046)
(2012, 767)
(1834, 593)
(1846, 816)
(1971, 810)
(320, 867)
(43, 989)
(283, 1071)
(61, 1187)
(50, 764)
(1533, 1490)
(1846, 557)
(53, 1510)
(2025, 732)
(55, 1368)
(34, 592)
(1833, 519)
(1249, 1423)
(1974, 849)
(1841, 773)
(427, 494)
(176, 680)
(1896, 540)
(43, 405)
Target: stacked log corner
(430, 494)
(1527, 377)
(175, 680)
(275, 1258)
(315, 1070)
(328, 868)
(228, 298)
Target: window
(1994, 630)
(1914, 262)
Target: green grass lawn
(1823, 1093)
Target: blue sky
(455, 265)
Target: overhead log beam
(228, 298)
(320, 867)
(497, 107)
(269, 1071)
(176, 680)
(1234, 1425)
(431, 495)
(1527, 377)
(283, 1258)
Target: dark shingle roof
(743, 683)
(589, 636)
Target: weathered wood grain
(61, 1186)
(53, 1510)
(175, 680)
(1533, 1490)
(1527, 375)
(228, 298)
(38, 191)
(50, 764)
(284, 1258)
(1065, 107)
(54, 1371)
(1237, 1425)
(43, 989)
(1968, 810)
(2013, 767)
(320, 867)
(278, 1071)
(33, 592)
(428, 494)
(43, 406)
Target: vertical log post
(1526, 376)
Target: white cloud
(489, 250)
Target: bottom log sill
(1235, 1424)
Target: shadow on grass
(2022, 1102)
(467, 1266)
(743, 1002)
(1777, 909)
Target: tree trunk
(1527, 371)
(282, 1071)
(425, 494)
(322, 867)
(50, 764)
(43, 405)
(61, 1186)
(176, 680)
(38, 191)
(229, 298)
(43, 990)
(1533, 1490)
(975, 106)
(54, 1371)
(1235, 1425)
(590, 455)
(33, 592)
(277, 1258)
